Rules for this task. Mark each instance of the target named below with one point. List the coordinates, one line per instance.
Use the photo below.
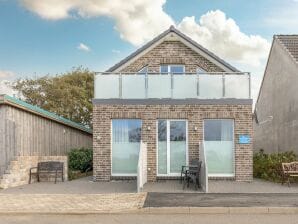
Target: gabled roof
(172, 29)
(290, 42)
(5, 99)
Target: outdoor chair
(193, 175)
(184, 169)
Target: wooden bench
(48, 168)
(289, 170)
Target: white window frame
(168, 148)
(111, 155)
(234, 151)
(169, 70)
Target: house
(173, 95)
(276, 110)
(29, 134)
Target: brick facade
(149, 114)
(170, 52)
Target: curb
(166, 210)
(221, 210)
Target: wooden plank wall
(2, 141)
(27, 134)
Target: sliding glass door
(219, 147)
(126, 138)
(172, 146)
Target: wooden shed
(29, 134)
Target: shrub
(80, 159)
(268, 166)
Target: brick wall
(194, 113)
(172, 52)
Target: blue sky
(39, 37)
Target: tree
(68, 95)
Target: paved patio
(70, 203)
(87, 186)
(80, 186)
(221, 186)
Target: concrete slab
(209, 210)
(283, 210)
(248, 210)
(169, 210)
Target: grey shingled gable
(165, 33)
(290, 43)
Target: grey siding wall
(278, 98)
(27, 134)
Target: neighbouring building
(173, 95)
(276, 110)
(29, 134)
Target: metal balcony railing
(172, 86)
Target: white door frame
(234, 151)
(168, 147)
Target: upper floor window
(175, 69)
(143, 70)
(200, 70)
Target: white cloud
(222, 36)
(6, 89)
(83, 47)
(5, 77)
(137, 21)
(6, 74)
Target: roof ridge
(285, 35)
(163, 34)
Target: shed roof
(5, 99)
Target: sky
(40, 37)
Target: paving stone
(71, 202)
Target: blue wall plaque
(244, 139)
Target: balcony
(172, 86)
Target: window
(219, 146)
(175, 69)
(126, 138)
(218, 130)
(143, 71)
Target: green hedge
(268, 166)
(80, 159)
